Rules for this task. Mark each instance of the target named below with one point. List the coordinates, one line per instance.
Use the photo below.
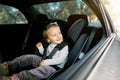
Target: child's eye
(59, 32)
(54, 35)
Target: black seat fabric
(94, 37)
(75, 52)
(74, 17)
(75, 30)
(35, 33)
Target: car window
(11, 15)
(114, 11)
(62, 10)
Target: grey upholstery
(76, 29)
(77, 48)
(72, 18)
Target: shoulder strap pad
(60, 46)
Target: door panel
(11, 40)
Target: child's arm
(42, 63)
(40, 47)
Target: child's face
(54, 35)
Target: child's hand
(42, 63)
(39, 44)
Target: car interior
(86, 27)
(21, 39)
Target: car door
(13, 29)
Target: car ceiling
(26, 3)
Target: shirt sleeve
(41, 49)
(58, 58)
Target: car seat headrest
(72, 18)
(76, 28)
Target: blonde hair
(45, 35)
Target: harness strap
(52, 53)
(58, 47)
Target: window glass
(62, 10)
(10, 15)
(114, 11)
